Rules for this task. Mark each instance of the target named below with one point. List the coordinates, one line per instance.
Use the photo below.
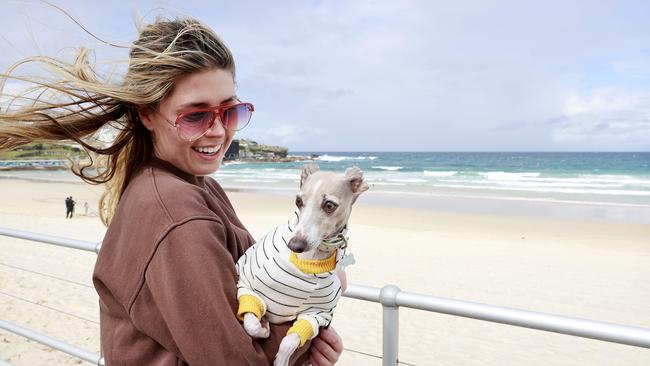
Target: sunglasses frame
(218, 114)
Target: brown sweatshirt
(166, 276)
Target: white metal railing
(51, 342)
(391, 298)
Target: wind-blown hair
(76, 105)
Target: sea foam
(431, 173)
(390, 168)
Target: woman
(166, 272)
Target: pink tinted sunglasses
(193, 124)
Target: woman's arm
(191, 282)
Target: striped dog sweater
(274, 283)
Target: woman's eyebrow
(206, 104)
(229, 100)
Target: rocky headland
(48, 156)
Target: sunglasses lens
(237, 117)
(194, 124)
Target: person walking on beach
(69, 207)
(166, 274)
(72, 203)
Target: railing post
(388, 300)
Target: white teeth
(207, 149)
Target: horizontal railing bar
(50, 342)
(609, 332)
(362, 292)
(50, 239)
(623, 334)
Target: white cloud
(610, 118)
(284, 134)
(608, 101)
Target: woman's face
(208, 88)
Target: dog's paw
(254, 327)
(288, 346)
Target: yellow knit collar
(313, 266)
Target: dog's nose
(298, 244)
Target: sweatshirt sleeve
(191, 281)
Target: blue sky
(400, 75)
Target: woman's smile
(208, 152)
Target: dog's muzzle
(298, 244)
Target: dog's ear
(355, 177)
(307, 170)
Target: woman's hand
(326, 348)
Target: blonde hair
(164, 52)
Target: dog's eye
(299, 202)
(329, 206)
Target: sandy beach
(594, 269)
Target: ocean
(609, 185)
(587, 177)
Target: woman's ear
(145, 116)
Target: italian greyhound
(291, 273)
